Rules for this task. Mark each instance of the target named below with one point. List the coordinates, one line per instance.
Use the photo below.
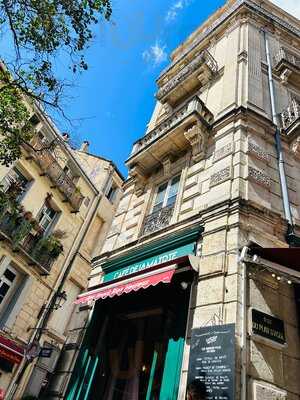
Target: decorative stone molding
(243, 56)
(284, 76)
(220, 176)
(255, 150)
(139, 177)
(223, 151)
(197, 137)
(295, 147)
(264, 391)
(259, 177)
(168, 109)
(167, 164)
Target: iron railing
(14, 228)
(50, 166)
(157, 220)
(290, 114)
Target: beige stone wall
(96, 177)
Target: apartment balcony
(13, 230)
(290, 119)
(189, 78)
(287, 66)
(186, 127)
(60, 179)
(157, 220)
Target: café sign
(143, 265)
(268, 327)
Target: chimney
(65, 137)
(85, 146)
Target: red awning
(11, 351)
(163, 275)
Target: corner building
(213, 184)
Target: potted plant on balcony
(50, 245)
(23, 225)
(8, 198)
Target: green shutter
(172, 368)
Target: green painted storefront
(134, 344)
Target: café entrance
(134, 347)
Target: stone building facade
(57, 205)
(216, 170)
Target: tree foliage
(40, 31)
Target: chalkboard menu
(212, 360)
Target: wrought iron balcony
(13, 228)
(60, 179)
(192, 76)
(157, 220)
(290, 118)
(195, 107)
(287, 65)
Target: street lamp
(60, 299)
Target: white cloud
(175, 9)
(291, 6)
(155, 55)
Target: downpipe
(291, 237)
(243, 266)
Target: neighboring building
(205, 181)
(56, 206)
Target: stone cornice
(227, 14)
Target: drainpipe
(61, 280)
(243, 265)
(291, 237)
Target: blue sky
(112, 102)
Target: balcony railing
(202, 59)
(157, 220)
(285, 55)
(50, 166)
(290, 115)
(19, 234)
(193, 106)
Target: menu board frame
(213, 352)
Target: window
(46, 218)
(166, 194)
(111, 195)
(9, 281)
(15, 180)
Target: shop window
(15, 181)
(47, 218)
